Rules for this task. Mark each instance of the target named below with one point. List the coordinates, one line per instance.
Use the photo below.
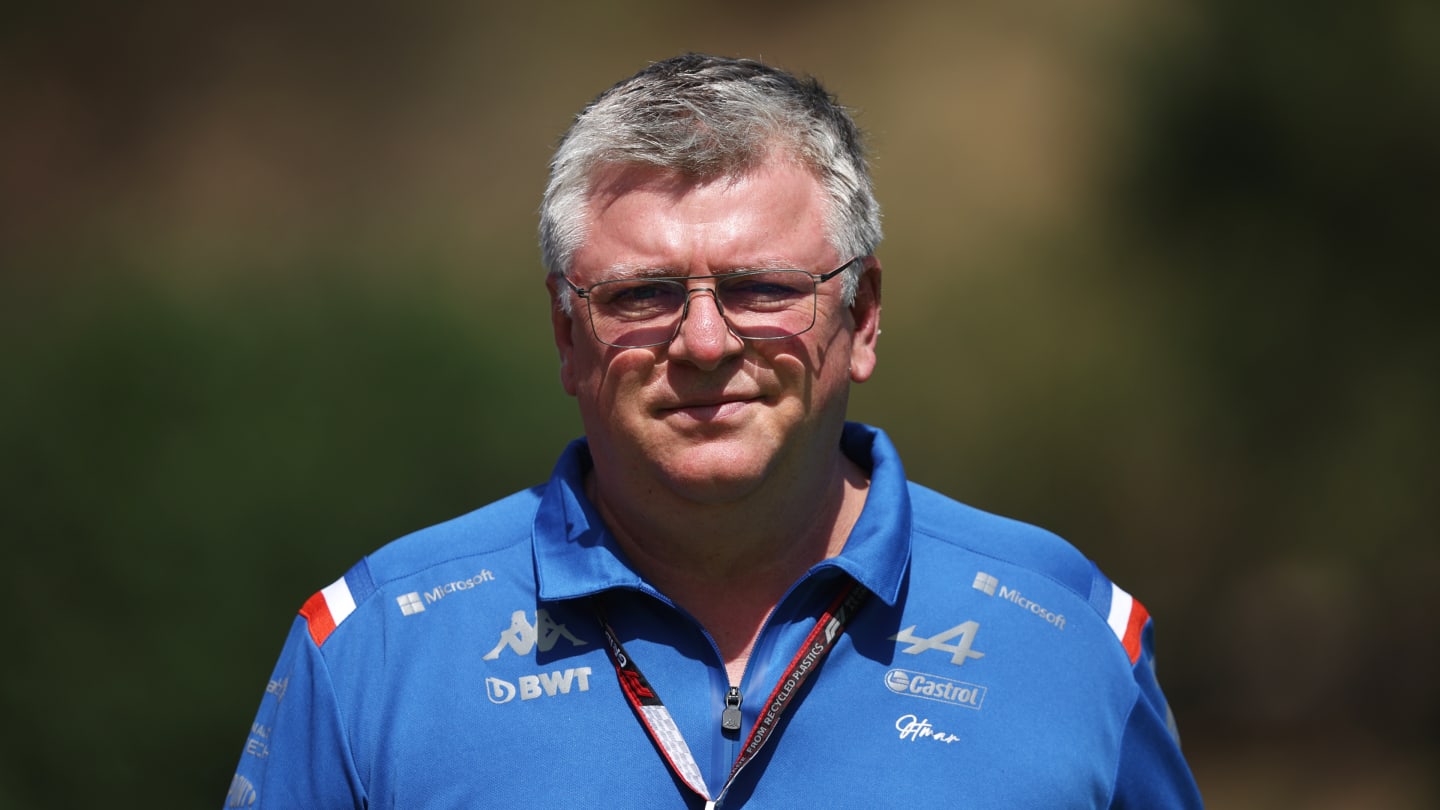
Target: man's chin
(713, 475)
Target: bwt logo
(545, 684)
(934, 687)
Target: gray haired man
(726, 595)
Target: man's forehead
(780, 182)
(615, 178)
(780, 187)
(643, 220)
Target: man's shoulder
(458, 555)
(492, 528)
(938, 518)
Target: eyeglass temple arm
(833, 273)
(578, 290)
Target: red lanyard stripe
(807, 659)
(660, 725)
(651, 711)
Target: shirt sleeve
(1152, 772)
(297, 754)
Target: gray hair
(705, 117)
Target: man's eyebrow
(627, 271)
(761, 265)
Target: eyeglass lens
(757, 305)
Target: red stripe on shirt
(1133, 628)
(317, 614)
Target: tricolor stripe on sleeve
(333, 603)
(1127, 620)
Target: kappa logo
(987, 585)
(544, 684)
(960, 652)
(522, 637)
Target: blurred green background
(1159, 277)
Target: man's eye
(764, 288)
(640, 295)
(640, 292)
(772, 287)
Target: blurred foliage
(1158, 278)
(181, 473)
(1285, 192)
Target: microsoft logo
(985, 582)
(410, 603)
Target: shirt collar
(576, 556)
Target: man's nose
(704, 339)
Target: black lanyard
(661, 726)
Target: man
(726, 595)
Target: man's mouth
(706, 410)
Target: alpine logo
(934, 687)
(960, 652)
(987, 584)
(544, 684)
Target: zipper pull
(730, 718)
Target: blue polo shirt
(464, 665)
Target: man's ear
(865, 314)
(563, 325)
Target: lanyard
(658, 723)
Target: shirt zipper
(730, 718)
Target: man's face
(708, 416)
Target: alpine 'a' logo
(960, 652)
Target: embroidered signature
(913, 728)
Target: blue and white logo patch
(934, 687)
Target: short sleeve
(1152, 772)
(297, 754)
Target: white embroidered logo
(914, 729)
(987, 585)
(985, 582)
(522, 637)
(542, 684)
(410, 603)
(960, 652)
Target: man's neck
(729, 564)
